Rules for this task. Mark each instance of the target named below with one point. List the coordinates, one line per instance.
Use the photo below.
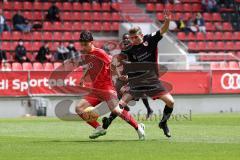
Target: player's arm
(165, 25)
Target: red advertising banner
(13, 83)
(226, 81)
(68, 83)
(188, 82)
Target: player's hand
(167, 15)
(123, 77)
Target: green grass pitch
(205, 137)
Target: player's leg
(81, 106)
(169, 101)
(149, 110)
(125, 115)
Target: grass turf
(204, 137)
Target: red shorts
(99, 95)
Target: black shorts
(148, 90)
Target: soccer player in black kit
(124, 45)
(141, 55)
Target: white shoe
(99, 131)
(141, 132)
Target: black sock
(145, 102)
(166, 113)
(112, 116)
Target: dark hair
(124, 36)
(86, 36)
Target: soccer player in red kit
(103, 89)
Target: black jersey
(146, 51)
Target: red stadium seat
(115, 26)
(160, 16)
(115, 6)
(169, 7)
(236, 36)
(200, 36)
(106, 16)
(96, 6)
(207, 16)
(47, 26)
(150, 7)
(97, 26)
(57, 36)
(7, 5)
(7, 46)
(67, 36)
(67, 16)
(227, 26)
(211, 46)
(36, 46)
(37, 66)
(46, 5)
(57, 26)
(59, 5)
(47, 36)
(28, 15)
(26, 66)
(86, 6)
(216, 17)
(17, 6)
(87, 16)
(229, 45)
(237, 46)
(27, 36)
(181, 36)
(227, 36)
(96, 16)
(7, 65)
(77, 16)
(220, 46)
(67, 6)
(191, 37)
(31, 56)
(27, 6)
(8, 15)
(209, 36)
(67, 26)
(107, 26)
(9, 56)
(159, 7)
(48, 66)
(76, 36)
(77, 26)
(106, 6)
(116, 16)
(192, 46)
(77, 6)
(16, 35)
(6, 35)
(218, 36)
(210, 27)
(16, 66)
(86, 26)
(37, 6)
(196, 7)
(178, 8)
(202, 46)
(187, 7)
(37, 16)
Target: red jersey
(99, 69)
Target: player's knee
(170, 103)
(79, 109)
(117, 111)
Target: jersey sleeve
(155, 36)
